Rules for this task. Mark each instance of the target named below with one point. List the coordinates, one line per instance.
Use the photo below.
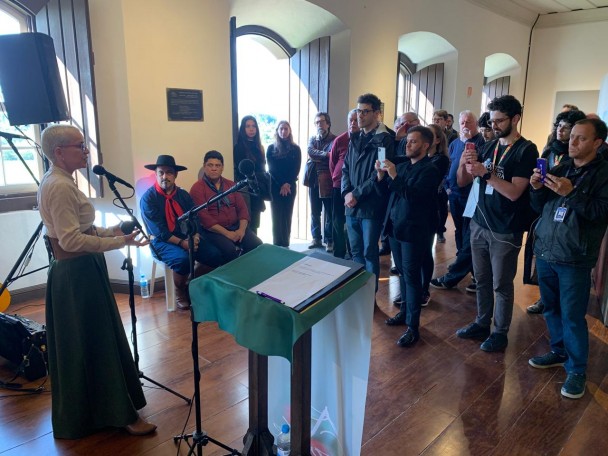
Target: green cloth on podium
(261, 325)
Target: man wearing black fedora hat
(161, 206)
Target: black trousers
(281, 209)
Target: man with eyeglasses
(440, 118)
(317, 177)
(365, 205)
(503, 168)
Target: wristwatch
(487, 176)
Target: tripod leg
(187, 399)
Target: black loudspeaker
(29, 77)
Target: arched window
(496, 88)
(419, 91)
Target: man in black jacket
(365, 206)
(573, 199)
(410, 221)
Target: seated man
(225, 221)
(160, 206)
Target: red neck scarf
(172, 208)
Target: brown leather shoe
(182, 297)
(140, 427)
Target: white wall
(563, 58)
(143, 47)
(376, 27)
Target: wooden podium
(268, 328)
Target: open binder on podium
(306, 281)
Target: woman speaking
(94, 380)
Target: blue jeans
(316, 205)
(364, 235)
(564, 291)
(464, 261)
(457, 205)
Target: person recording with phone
(573, 202)
(503, 168)
(95, 382)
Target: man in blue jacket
(573, 201)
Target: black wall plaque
(185, 104)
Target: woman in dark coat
(284, 160)
(249, 146)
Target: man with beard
(161, 206)
(317, 178)
(410, 223)
(440, 118)
(556, 152)
(503, 167)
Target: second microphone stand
(128, 266)
(199, 436)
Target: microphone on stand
(101, 171)
(247, 169)
(127, 226)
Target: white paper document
(298, 282)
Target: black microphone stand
(199, 436)
(128, 266)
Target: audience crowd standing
(373, 185)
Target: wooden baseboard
(39, 291)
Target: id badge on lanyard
(560, 214)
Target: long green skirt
(94, 381)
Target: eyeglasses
(497, 121)
(363, 112)
(83, 147)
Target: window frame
(24, 193)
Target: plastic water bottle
(284, 441)
(143, 285)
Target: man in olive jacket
(573, 200)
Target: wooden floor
(442, 397)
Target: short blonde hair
(54, 136)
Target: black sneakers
(547, 360)
(473, 331)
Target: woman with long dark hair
(440, 158)
(249, 146)
(284, 160)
